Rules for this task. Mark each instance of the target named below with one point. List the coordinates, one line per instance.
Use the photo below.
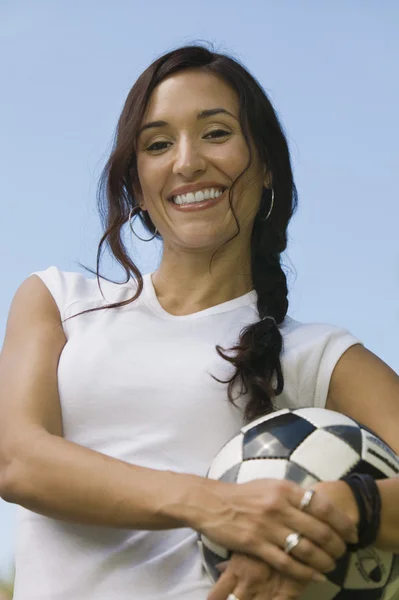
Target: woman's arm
(365, 388)
(47, 474)
(63, 480)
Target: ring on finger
(232, 597)
(306, 499)
(291, 541)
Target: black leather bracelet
(368, 500)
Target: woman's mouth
(198, 200)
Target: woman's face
(191, 142)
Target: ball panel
(351, 435)
(321, 417)
(209, 561)
(299, 475)
(271, 415)
(231, 475)
(338, 575)
(392, 586)
(363, 595)
(363, 467)
(379, 454)
(264, 445)
(277, 437)
(229, 456)
(219, 552)
(368, 568)
(367, 428)
(260, 468)
(307, 456)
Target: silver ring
(291, 541)
(232, 597)
(306, 498)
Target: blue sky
(329, 67)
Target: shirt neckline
(149, 290)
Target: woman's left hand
(341, 494)
(250, 578)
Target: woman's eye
(217, 133)
(157, 146)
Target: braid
(257, 357)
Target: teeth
(199, 196)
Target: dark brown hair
(257, 353)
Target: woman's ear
(267, 178)
(140, 202)
(139, 198)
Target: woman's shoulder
(310, 354)
(308, 338)
(308, 330)
(71, 287)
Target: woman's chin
(201, 240)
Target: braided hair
(257, 355)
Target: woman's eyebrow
(204, 114)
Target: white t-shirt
(134, 384)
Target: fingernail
(354, 538)
(319, 578)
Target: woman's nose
(188, 159)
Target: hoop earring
(271, 207)
(131, 226)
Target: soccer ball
(308, 445)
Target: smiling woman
(116, 397)
(199, 123)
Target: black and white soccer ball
(308, 445)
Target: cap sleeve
(57, 284)
(316, 359)
(74, 293)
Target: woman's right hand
(255, 518)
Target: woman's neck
(185, 289)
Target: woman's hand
(250, 578)
(255, 518)
(341, 495)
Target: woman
(114, 401)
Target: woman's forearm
(63, 480)
(388, 537)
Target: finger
(223, 587)
(316, 531)
(311, 554)
(323, 509)
(288, 565)
(242, 592)
(221, 567)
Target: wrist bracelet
(368, 500)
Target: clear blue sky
(330, 67)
